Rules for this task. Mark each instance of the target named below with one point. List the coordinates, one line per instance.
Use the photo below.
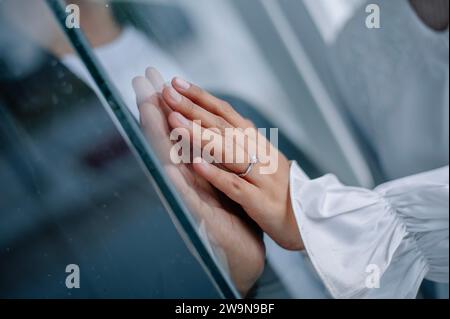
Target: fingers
(155, 128)
(145, 92)
(213, 145)
(146, 96)
(155, 79)
(192, 111)
(210, 103)
(236, 188)
(152, 117)
(229, 150)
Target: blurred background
(71, 189)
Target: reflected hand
(234, 236)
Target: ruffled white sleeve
(377, 243)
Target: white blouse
(397, 232)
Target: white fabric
(401, 227)
(123, 59)
(128, 56)
(395, 83)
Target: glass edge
(144, 153)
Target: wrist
(293, 226)
(295, 237)
(287, 233)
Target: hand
(264, 191)
(232, 234)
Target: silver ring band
(253, 161)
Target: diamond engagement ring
(253, 161)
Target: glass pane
(126, 37)
(72, 190)
(104, 38)
(303, 66)
(210, 43)
(189, 39)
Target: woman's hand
(232, 235)
(246, 166)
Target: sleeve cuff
(346, 230)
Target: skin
(229, 229)
(264, 197)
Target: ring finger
(225, 150)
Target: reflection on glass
(72, 193)
(128, 52)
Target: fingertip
(143, 89)
(135, 80)
(152, 73)
(180, 84)
(155, 77)
(137, 83)
(171, 96)
(151, 69)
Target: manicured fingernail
(184, 121)
(175, 96)
(143, 89)
(182, 84)
(155, 79)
